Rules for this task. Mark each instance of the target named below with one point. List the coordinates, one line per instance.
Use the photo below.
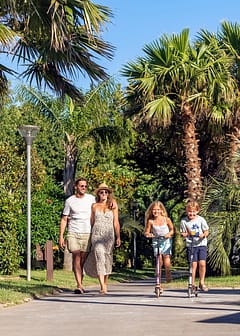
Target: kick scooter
(158, 288)
(192, 290)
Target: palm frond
(57, 41)
(159, 111)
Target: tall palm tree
(181, 82)
(228, 38)
(56, 41)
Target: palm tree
(90, 130)
(55, 41)
(221, 207)
(6, 36)
(177, 82)
(228, 38)
(71, 121)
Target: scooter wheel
(192, 291)
(158, 291)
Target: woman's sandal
(102, 292)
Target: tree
(177, 82)
(90, 131)
(221, 208)
(54, 41)
(6, 36)
(228, 38)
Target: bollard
(45, 258)
(49, 260)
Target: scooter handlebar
(151, 235)
(191, 239)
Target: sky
(136, 23)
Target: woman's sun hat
(103, 186)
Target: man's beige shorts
(78, 242)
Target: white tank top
(160, 230)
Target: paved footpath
(128, 309)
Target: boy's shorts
(78, 242)
(199, 253)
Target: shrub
(9, 249)
(46, 208)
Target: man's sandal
(79, 291)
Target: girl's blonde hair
(149, 212)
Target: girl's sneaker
(203, 288)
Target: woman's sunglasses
(102, 192)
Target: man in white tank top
(76, 217)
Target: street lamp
(28, 132)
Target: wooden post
(49, 259)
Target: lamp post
(28, 132)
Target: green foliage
(9, 247)
(46, 207)
(13, 191)
(120, 178)
(221, 208)
(10, 205)
(34, 108)
(9, 122)
(121, 256)
(160, 166)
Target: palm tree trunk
(234, 149)
(193, 162)
(70, 165)
(68, 179)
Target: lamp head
(29, 132)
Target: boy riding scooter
(194, 229)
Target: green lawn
(16, 289)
